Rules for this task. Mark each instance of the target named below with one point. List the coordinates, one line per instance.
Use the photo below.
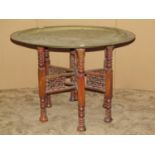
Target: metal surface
(73, 36)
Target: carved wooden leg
(47, 63)
(42, 83)
(81, 89)
(73, 64)
(108, 83)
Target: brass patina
(73, 36)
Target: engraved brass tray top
(73, 36)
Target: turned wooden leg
(81, 89)
(42, 83)
(108, 83)
(73, 64)
(47, 63)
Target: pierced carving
(57, 79)
(56, 83)
(95, 80)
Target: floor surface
(133, 114)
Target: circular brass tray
(73, 36)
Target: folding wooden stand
(53, 79)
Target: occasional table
(77, 40)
